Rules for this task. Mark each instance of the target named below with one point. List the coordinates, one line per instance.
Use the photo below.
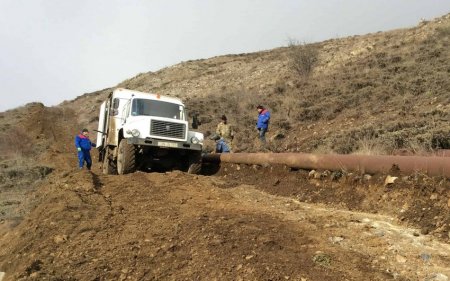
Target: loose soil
(244, 223)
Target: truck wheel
(195, 163)
(126, 158)
(108, 167)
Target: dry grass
(369, 94)
(15, 143)
(370, 146)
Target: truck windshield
(157, 108)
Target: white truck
(144, 131)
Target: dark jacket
(83, 142)
(263, 119)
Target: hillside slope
(378, 92)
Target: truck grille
(167, 129)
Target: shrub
(302, 57)
(15, 142)
(443, 30)
(440, 140)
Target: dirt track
(176, 226)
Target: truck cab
(145, 131)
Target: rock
(448, 203)
(249, 257)
(276, 182)
(336, 239)
(322, 259)
(425, 231)
(336, 175)
(58, 239)
(425, 257)
(313, 172)
(317, 175)
(389, 180)
(238, 168)
(405, 206)
(278, 136)
(379, 233)
(2, 275)
(400, 259)
(437, 277)
(434, 196)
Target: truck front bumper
(164, 143)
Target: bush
(15, 142)
(440, 140)
(443, 30)
(302, 57)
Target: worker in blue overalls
(84, 145)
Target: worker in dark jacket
(221, 144)
(263, 122)
(83, 145)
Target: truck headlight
(195, 140)
(135, 133)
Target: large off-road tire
(108, 167)
(126, 158)
(195, 163)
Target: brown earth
(175, 226)
(368, 94)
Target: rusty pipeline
(372, 164)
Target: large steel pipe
(433, 166)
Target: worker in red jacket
(263, 122)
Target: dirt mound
(418, 200)
(34, 141)
(180, 227)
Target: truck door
(116, 119)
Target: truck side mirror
(195, 122)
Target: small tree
(302, 57)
